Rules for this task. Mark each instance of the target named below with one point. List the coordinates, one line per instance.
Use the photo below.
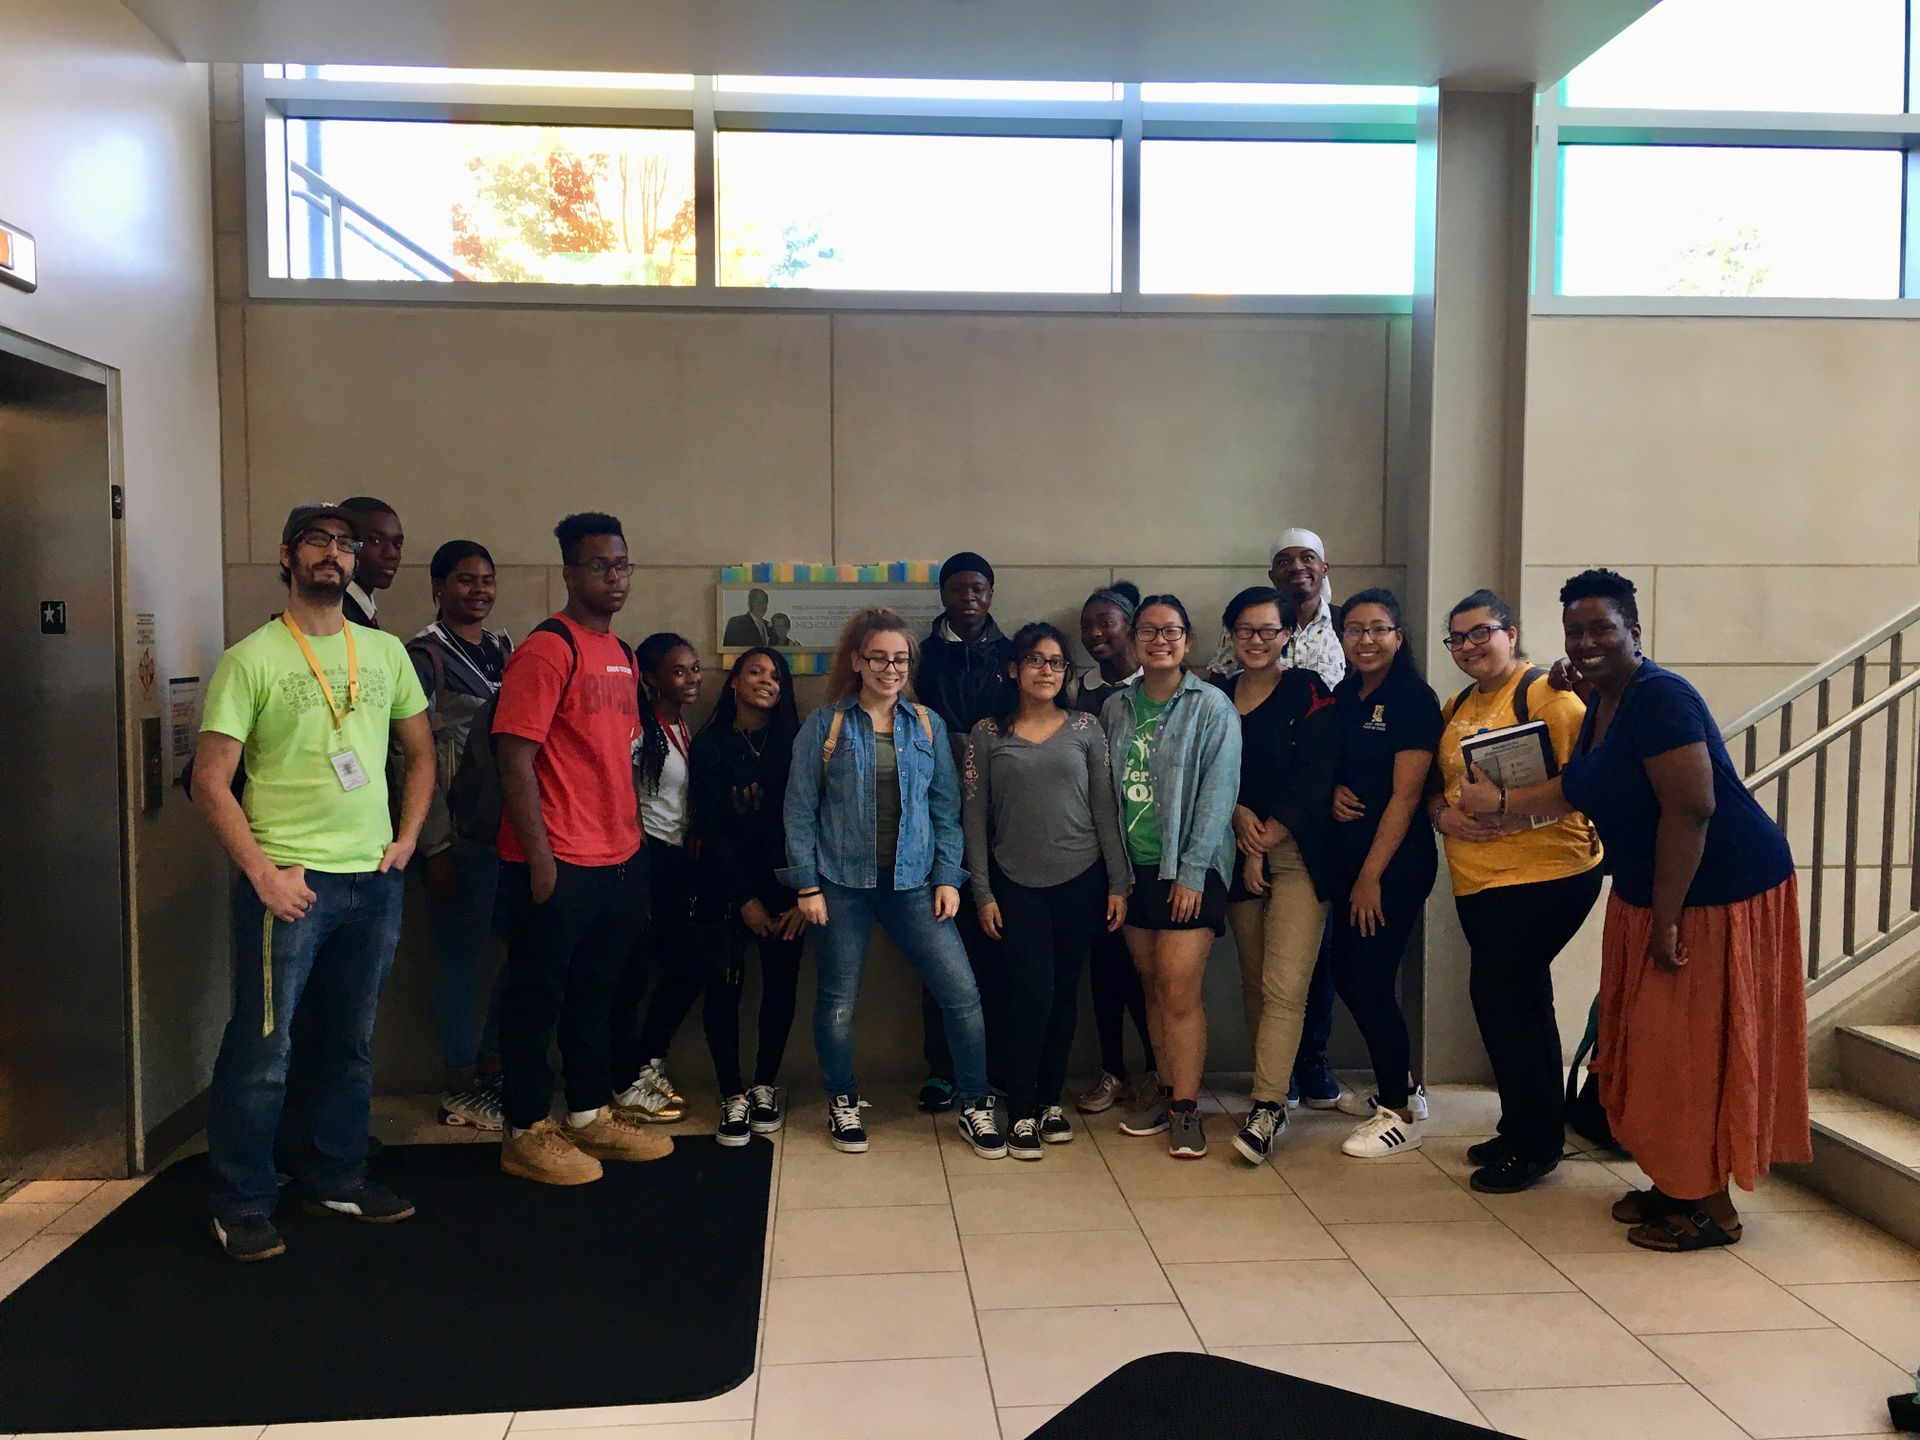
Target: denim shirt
(1195, 764)
(830, 815)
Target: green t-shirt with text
(1142, 824)
(264, 695)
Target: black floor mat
(499, 1295)
(1208, 1397)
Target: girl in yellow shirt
(1522, 892)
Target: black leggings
(1118, 993)
(1046, 935)
(726, 979)
(1515, 932)
(1366, 968)
(665, 948)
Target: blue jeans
(931, 946)
(337, 956)
(463, 928)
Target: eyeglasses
(1478, 635)
(599, 569)
(1056, 663)
(880, 664)
(1159, 632)
(1268, 633)
(1369, 632)
(321, 539)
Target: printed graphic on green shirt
(1143, 828)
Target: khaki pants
(1278, 938)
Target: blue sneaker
(936, 1095)
(1293, 1092)
(1316, 1084)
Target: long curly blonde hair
(843, 677)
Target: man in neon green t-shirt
(309, 701)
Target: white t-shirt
(663, 815)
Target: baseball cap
(303, 516)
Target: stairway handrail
(1811, 681)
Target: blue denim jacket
(1195, 764)
(830, 816)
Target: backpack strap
(551, 626)
(1453, 705)
(832, 742)
(1527, 681)
(926, 725)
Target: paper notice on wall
(183, 718)
(144, 666)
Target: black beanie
(963, 562)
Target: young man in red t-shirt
(571, 866)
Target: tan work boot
(545, 1154)
(616, 1135)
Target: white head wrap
(1299, 539)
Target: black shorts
(1149, 907)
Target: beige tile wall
(1164, 449)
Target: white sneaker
(1385, 1134)
(653, 1076)
(1352, 1102)
(644, 1102)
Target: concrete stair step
(1882, 1063)
(1868, 1160)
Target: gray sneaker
(1151, 1117)
(1186, 1135)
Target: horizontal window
(1256, 217)
(1696, 220)
(422, 200)
(1184, 93)
(438, 75)
(1835, 55)
(1025, 90)
(915, 212)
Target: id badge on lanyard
(347, 768)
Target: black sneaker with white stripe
(980, 1128)
(1385, 1134)
(1023, 1140)
(734, 1130)
(764, 1111)
(1264, 1126)
(843, 1124)
(373, 1204)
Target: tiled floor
(919, 1291)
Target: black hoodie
(962, 681)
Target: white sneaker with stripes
(1385, 1134)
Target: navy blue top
(1745, 855)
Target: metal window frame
(270, 100)
(1559, 124)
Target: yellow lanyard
(326, 686)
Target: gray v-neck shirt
(1045, 813)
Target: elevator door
(63, 967)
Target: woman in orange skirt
(1702, 1059)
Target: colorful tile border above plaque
(788, 572)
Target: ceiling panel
(1480, 43)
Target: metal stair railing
(1764, 745)
(347, 216)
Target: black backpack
(475, 797)
(1585, 1113)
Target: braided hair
(648, 656)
